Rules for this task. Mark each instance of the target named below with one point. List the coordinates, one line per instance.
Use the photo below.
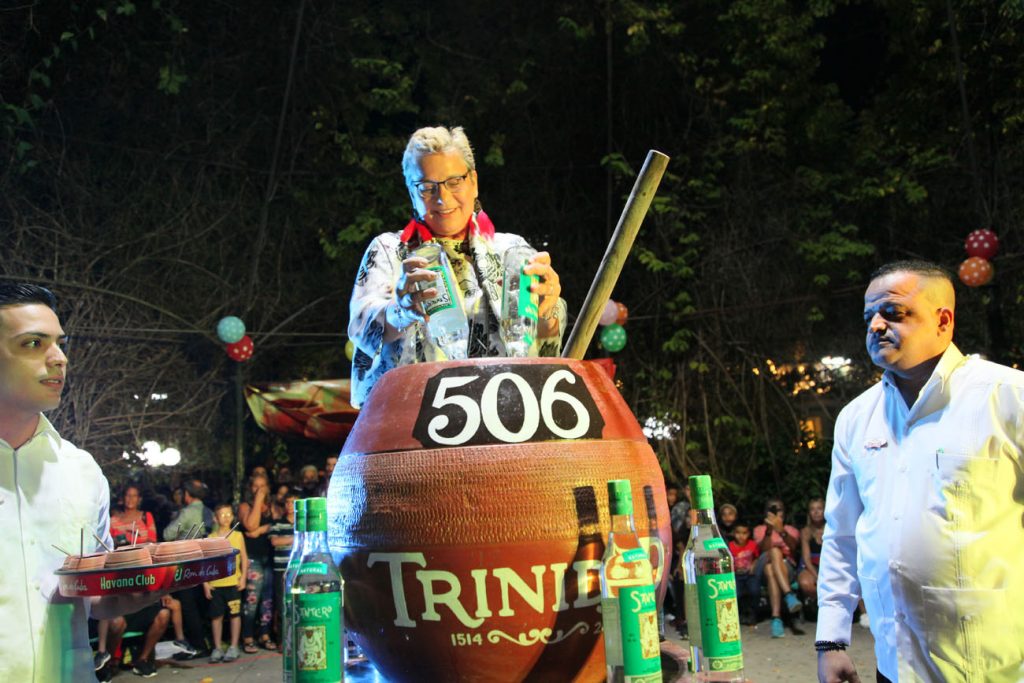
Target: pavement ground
(790, 659)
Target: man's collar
(45, 427)
(951, 359)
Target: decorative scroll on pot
(468, 512)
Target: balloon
(976, 271)
(982, 243)
(613, 337)
(622, 314)
(230, 329)
(610, 312)
(350, 349)
(241, 350)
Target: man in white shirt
(50, 493)
(925, 502)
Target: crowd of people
(776, 564)
(226, 617)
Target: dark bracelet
(828, 646)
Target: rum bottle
(712, 616)
(629, 605)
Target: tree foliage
(171, 162)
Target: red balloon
(976, 271)
(622, 314)
(241, 350)
(982, 243)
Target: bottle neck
(623, 525)
(706, 517)
(314, 542)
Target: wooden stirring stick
(109, 550)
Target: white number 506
(533, 411)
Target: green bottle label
(714, 544)
(641, 647)
(446, 297)
(634, 554)
(313, 568)
(317, 639)
(719, 622)
(527, 305)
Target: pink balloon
(610, 313)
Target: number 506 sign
(489, 404)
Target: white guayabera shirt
(925, 521)
(49, 491)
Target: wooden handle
(615, 256)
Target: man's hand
(774, 521)
(207, 591)
(836, 667)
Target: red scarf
(479, 223)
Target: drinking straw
(61, 549)
(231, 529)
(615, 256)
(81, 542)
(102, 543)
(135, 534)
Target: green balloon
(613, 337)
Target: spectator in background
(152, 621)
(325, 481)
(284, 476)
(748, 585)
(779, 544)
(193, 520)
(679, 518)
(256, 515)
(224, 593)
(309, 481)
(810, 553)
(127, 526)
(727, 515)
(282, 533)
(131, 524)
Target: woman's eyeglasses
(431, 188)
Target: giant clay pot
(468, 512)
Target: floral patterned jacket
(375, 288)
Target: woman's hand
(414, 286)
(548, 286)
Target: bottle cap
(700, 492)
(316, 514)
(300, 514)
(620, 497)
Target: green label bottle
(629, 604)
(711, 611)
(317, 628)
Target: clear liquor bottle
(629, 612)
(317, 630)
(287, 616)
(712, 616)
(447, 325)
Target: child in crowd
(224, 594)
(748, 587)
(727, 520)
